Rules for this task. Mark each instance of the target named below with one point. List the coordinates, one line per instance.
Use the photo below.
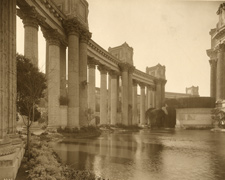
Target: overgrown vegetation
(30, 86)
(45, 164)
(219, 117)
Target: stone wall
(194, 118)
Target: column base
(10, 158)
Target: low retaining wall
(194, 118)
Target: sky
(172, 33)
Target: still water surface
(150, 155)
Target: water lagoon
(149, 154)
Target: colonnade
(79, 92)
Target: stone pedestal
(103, 95)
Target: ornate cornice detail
(85, 36)
(103, 69)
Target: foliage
(89, 113)
(30, 86)
(219, 117)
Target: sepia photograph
(112, 90)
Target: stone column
(91, 84)
(158, 94)
(109, 97)
(163, 83)
(83, 101)
(130, 94)
(31, 36)
(213, 63)
(134, 102)
(124, 67)
(53, 77)
(73, 72)
(220, 73)
(142, 104)
(103, 95)
(114, 92)
(154, 98)
(63, 90)
(7, 68)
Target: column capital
(213, 62)
(131, 69)
(92, 62)
(211, 53)
(113, 73)
(30, 17)
(135, 82)
(85, 36)
(52, 36)
(124, 66)
(73, 26)
(160, 81)
(142, 85)
(221, 48)
(103, 69)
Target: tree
(30, 86)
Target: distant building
(190, 92)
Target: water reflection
(158, 154)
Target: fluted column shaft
(158, 95)
(73, 79)
(142, 104)
(125, 95)
(220, 73)
(53, 82)
(7, 67)
(103, 95)
(212, 78)
(113, 96)
(153, 99)
(134, 102)
(31, 39)
(91, 86)
(83, 80)
(130, 94)
(63, 92)
(109, 97)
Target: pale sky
(172, 33)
